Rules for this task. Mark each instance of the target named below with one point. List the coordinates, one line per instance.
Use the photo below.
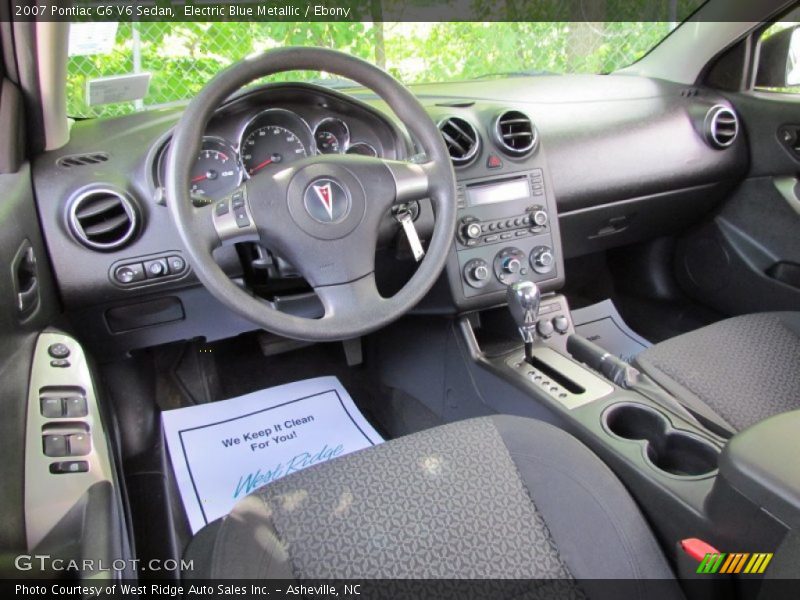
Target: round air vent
(103, 218)
(461, 139)
(515, 133)
(722, 126)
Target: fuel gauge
(332, 136)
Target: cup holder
(671, 450)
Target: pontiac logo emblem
(324, 194)
(326, 201)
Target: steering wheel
(322, 213)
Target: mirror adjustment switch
(58, 350)
(52, 407)
(156, 268)
(69, 466)
(75, 406)
(80, 444)
(55, 445)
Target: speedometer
(271, 145)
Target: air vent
(81, 160)
(722, 126)
(461, 139)
(515, 133)
(103, 219)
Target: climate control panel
(507, 232)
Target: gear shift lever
(523, 299)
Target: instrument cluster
(271, 139)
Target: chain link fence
(182, 57)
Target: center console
(689, 481)
(507, 232)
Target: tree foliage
(182, 57)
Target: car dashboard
(547, 169)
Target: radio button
(540, 218)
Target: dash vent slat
(461, 139)
(103, 219)
(515, 133)
(82, 160)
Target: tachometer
(216, 171)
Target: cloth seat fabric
(492, 497)
(743, 369)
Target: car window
(174, 60)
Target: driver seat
(492, 497)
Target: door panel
(27, 305)
(747, 258)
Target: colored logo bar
(734, 563)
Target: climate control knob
(511, 265)
(477, 273)
(542, 259)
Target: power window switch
(52, 407)
(80, 444)
(75, 406)
(69, 466)
(55, 445)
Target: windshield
(168, 62)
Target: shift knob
(523, 301)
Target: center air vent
(461, 139)
(515, 133)
(103, 219)
(722, 126)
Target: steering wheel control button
(545, 328)
(242, 220)
(176, 265)
(542, 259)
(69, 466)
(156, 268)
(221, 208)
(59, 363)
(58, 350)
(561, 323)
(237, 200)
(327, 201)
(80, 444)
(55, 445)
(129, 273)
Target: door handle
(25, 277)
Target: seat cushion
(745, 368)
(498, 497)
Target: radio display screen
(510, 189)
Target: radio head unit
(507, 232)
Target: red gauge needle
(261, 165)
(199, 178)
